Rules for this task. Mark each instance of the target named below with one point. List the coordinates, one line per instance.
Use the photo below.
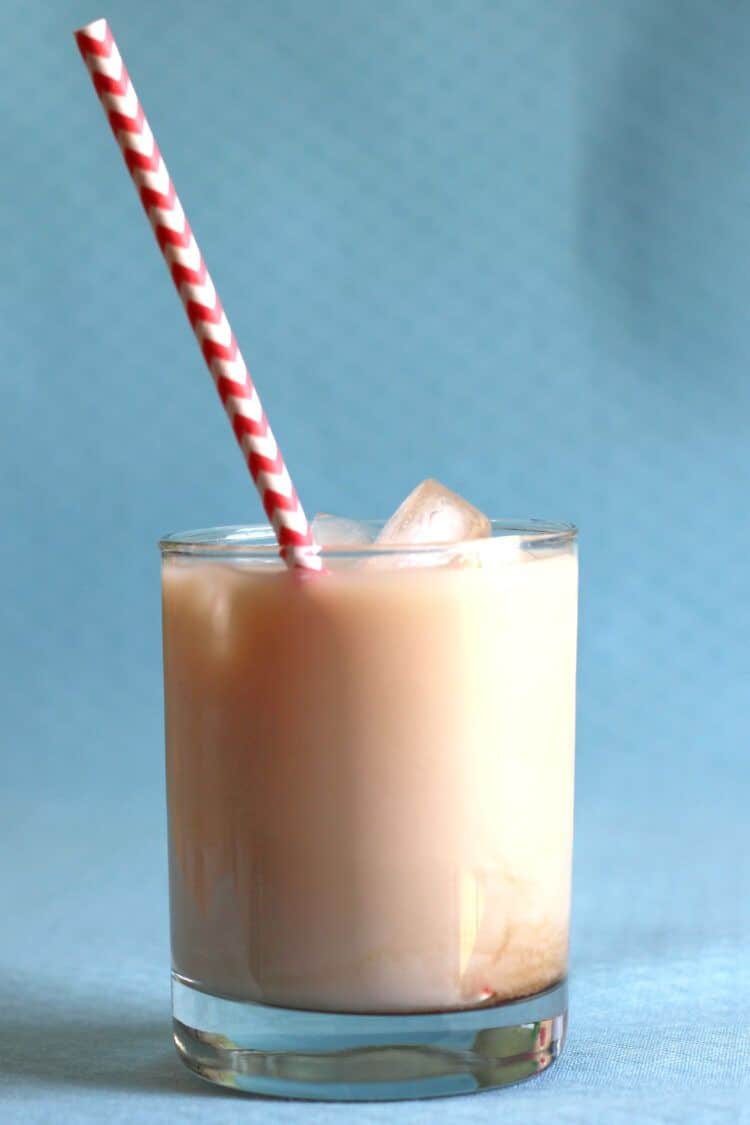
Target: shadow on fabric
(57, 1041)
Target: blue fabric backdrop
(506, 244)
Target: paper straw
(196, 289)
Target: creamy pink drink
(369, 761)
(370, 774)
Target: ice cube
(338, 532)
(434, 514)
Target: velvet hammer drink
(370, 780)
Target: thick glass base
(324, 1055)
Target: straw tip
(97, 29)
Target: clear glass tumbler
(370, 800)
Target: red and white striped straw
(196, 289)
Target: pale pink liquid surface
(370, 781)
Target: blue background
(505, 244)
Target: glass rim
(258, 541)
